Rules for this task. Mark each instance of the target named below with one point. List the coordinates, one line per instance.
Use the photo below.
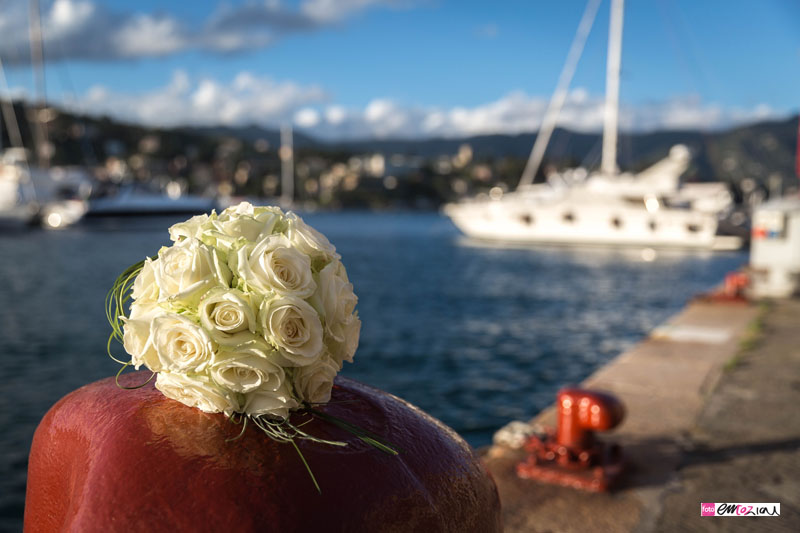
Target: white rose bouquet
(249, 313)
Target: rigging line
(560, 95)
(89, 153)
(669, 23)
(592, 157)
(9, 115)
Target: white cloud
(520, 113)
(147, 36)
(183, 101)
(206, 95)
(86, 29)
(335, 115)
(307, 117)
(249, 98)
(335, 10)
(66, 14)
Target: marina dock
(711, 400)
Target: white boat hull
(607, 223)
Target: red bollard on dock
(572, 455)
(734, 289)
(736, 283)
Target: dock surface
(712, 402)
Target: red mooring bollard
(733, 290)
(571, 455)
(736, 283)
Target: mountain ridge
(635, 150)
(763, 152)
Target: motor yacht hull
(607, 223)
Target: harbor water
(476, 336)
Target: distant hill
(763, 152)
(755, 151)
(251, 133)
(563, 144)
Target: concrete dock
(712, 402)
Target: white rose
(334, 299)
(227, 232)
(188, 269)
(138, 343)
(247, 209)
(270, 402)
(197, 391)
(250, 222)
(345, 350)
(273, 265)
(145, 310)
(228, 316)
(242, 208)
(137, 338)
(144, 286)
(231, 227)
(308, 240)
(313, 383)
(294, 327)
(246, 368)
(189, 229)
(182, 345)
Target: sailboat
(31, 194)
(606, 207)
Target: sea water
(476, 336)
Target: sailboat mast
(42, 145)
(610, 122)
(287, 166)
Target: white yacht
(649, 209)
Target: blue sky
(408, 68)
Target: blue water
(475, 336)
